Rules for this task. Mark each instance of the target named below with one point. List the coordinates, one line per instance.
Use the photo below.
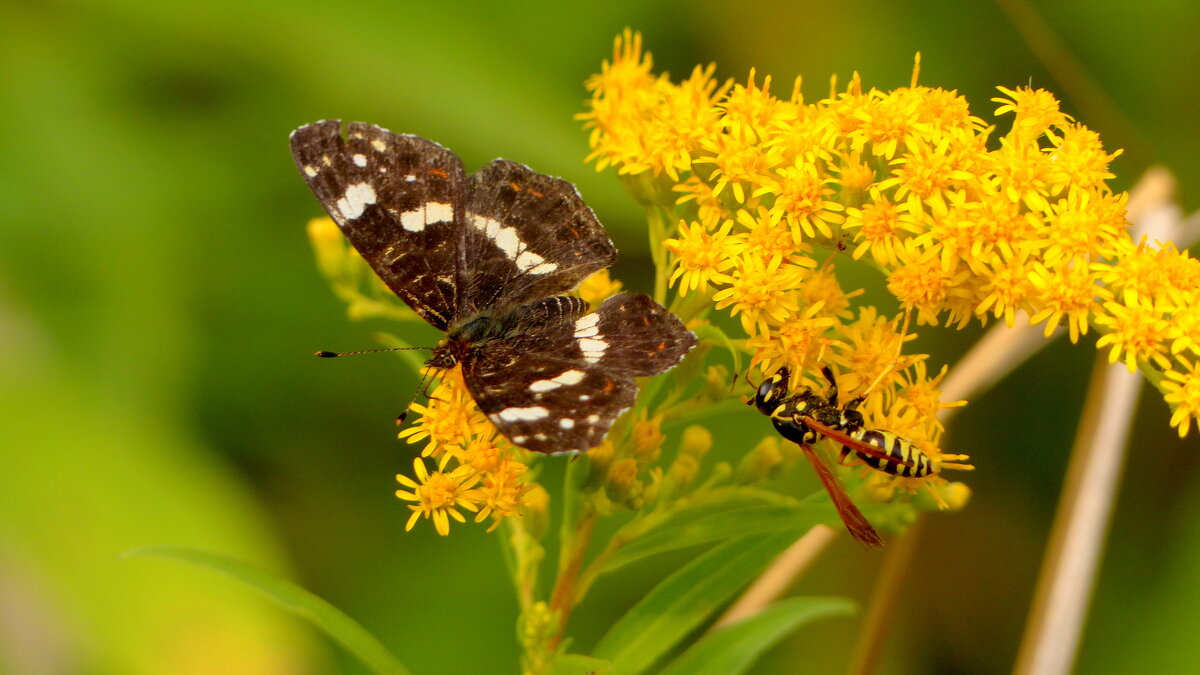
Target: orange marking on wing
(646, 320)
(515, 186)
(661, 346)
(439, 172)
(854, 443)
(535, 193)
(608, 386)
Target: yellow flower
(923, 284)
(1036, 111)
(701, 256)
(501, 493)
(1078, 158)
(447, 420)
(1065, 292)
(795, 342)
(1182, 389)
(801, 199)
(598, 287)
(869, 350)
(759, 291)
(1007, 290)
(880, 228)
(1135, 329)
(439, 495)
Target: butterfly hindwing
(537, 387)
(635, 335)
(558, 384)
(528, 236)
(398, 199)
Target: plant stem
(1081, 523)
(565, 594)
(882, 604)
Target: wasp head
(772, 391)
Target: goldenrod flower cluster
(477, 470)
(770, 194)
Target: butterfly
(487, 258)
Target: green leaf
(709, 522)
(736, 647)
(685, 600)
(293, 598)
(714, 334)
(578, 664)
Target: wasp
(805, 417)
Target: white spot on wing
(428, 214)
(571, 377)
(310, 171)
(566, 423)
(355, 201)
(410, 177)
(528, 260)
(437, 212)
(379, 145)
(360, 160)
(593, 349)
(586, 326)
(530, 414)
(510, 244)
(568, 378)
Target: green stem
(656, 218)
(565, 595)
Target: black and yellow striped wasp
(807, 416)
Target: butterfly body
(486, 257)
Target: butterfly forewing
(397, 199)
(527, 236)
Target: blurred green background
(159, 308)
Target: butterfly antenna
(423, 389)
(329, 355)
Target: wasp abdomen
(903, 458)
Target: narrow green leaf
(685, 600)
(736, 647)
(707, 523)
(578, 664)
(293, 598)
(715, 334)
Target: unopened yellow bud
(647, 440)
(681, 474)
(535, 510)
(956, 495)
(623, 485)
(760, 463)
(697, 441)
